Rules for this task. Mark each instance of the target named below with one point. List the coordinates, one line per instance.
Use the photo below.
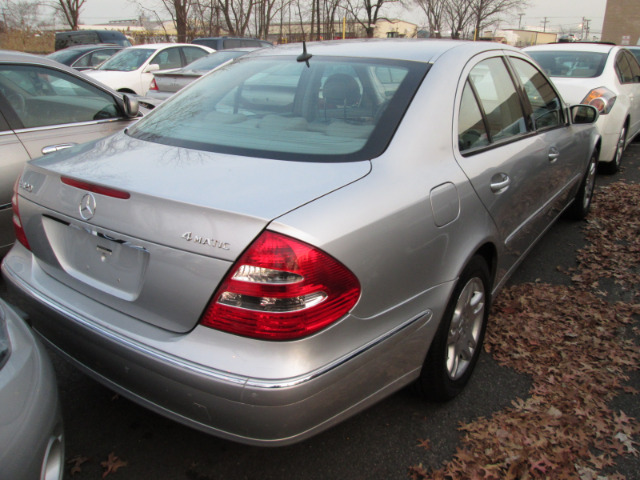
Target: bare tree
(179, 11)
(236, 15)
(436, 12)
(206, 17)
(20, 15)
(70, 10)
(265, 12)
(486, 12)
(366, 12)
(458, 16)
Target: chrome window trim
(67, 125)
(217, 375)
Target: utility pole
(520, 20)
(544, 24)
(585, 22)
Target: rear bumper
(242, 408)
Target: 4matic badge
(190, 237)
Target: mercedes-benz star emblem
(88, 206)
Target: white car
(130, 70)
(605, 76)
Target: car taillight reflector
(602, 98)
(91, 187)
(154, 85)
(282, 289)
(17, 221)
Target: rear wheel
(614, 165)
(457, 344)
(582, 202)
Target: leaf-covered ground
(578, 344)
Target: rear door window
(499, 99)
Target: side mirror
(131, 106)
(152, 67)
(582, 114)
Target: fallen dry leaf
(112, 464)
(571, 342)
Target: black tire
(582, 201)
(614, 165)
(455, 349)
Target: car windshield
(334, 109)
(565, 63)
(212, 61)
(127, 60)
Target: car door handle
(56, 148)
(500, 182)
(553, 154)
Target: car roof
(574, 46)
(89, 47)
(422, 50)
(158, 46)
(10, 56)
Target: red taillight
(91, 187)
(154, 85)
(281, 289)
(17, 221)
(602, 98)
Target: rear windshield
(66, 56)
(335, 109)
(570, 64)
(213, 60)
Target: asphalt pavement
(380, 443)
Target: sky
(567, 14)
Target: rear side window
(336, 109)
(193, 53)
(545, 103)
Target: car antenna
(304, 56)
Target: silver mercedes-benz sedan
(302, 232)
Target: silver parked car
(31, 432)
(302, 232)
(45, 107)
(166, 83)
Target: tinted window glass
(214, 60)
(41, 97)
(471, 129)
(570, 64)
(193, 53)
(635, 67)
(499, 99)
(623, 68)
(276, 107)
(546, 106)
(169, 58)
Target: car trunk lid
(159, 254)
